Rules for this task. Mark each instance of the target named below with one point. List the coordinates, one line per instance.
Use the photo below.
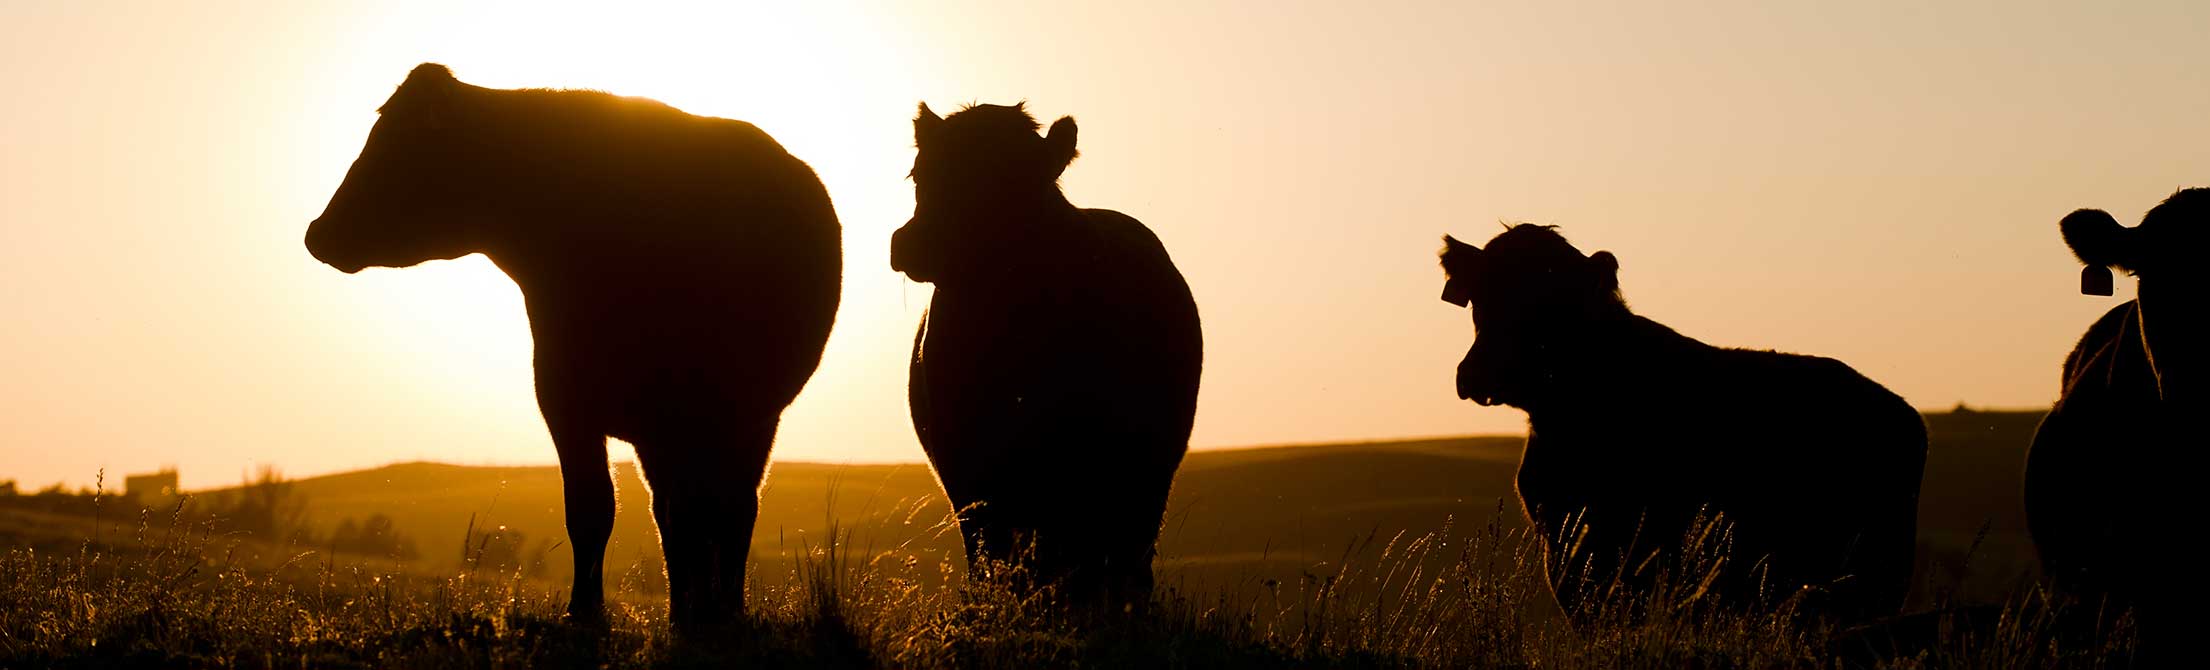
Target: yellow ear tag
(2095, 280)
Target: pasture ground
(1403, 554)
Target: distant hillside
(1237, 516)
(1292, 505)
(1975, 476)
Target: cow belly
(1653, 506)
(2102, 501)
(997, 430)
(634, 387)
(982, 433)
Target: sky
(1878, 182)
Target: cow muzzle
(906, 254)
(319, 245)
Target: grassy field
(1399, 554)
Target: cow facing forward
(2110, 478)
(1634, 430)
(681, 275)
(1054, 377)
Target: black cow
(1635, 430)
(1054, 378)
(681, 275)
(2109, 479)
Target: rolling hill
(1237, 518)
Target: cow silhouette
(1636, 431)
(681, 275)
(2109, 480)
(1054, 376)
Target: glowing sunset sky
(1873, 181)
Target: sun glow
(820, 77)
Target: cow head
(1534, 298)
(2173, 299)
(412, 194)
(982, 179)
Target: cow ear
(431, 73)
(1455, 251)
(1606, 268)
(924, 124)
(427, 96)
(2100, 243)
(1059, 142)
(1458, 259)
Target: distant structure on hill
(160, 484)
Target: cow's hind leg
(1116, 543)
(993, 539)
(705, 499)
(1134, 544)
(588, 493)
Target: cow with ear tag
(681, 275)
(1054, 377)
(2107, 479)
(1638, 434)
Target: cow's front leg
(587, 490)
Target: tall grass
(174, 592)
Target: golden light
(810, 74)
